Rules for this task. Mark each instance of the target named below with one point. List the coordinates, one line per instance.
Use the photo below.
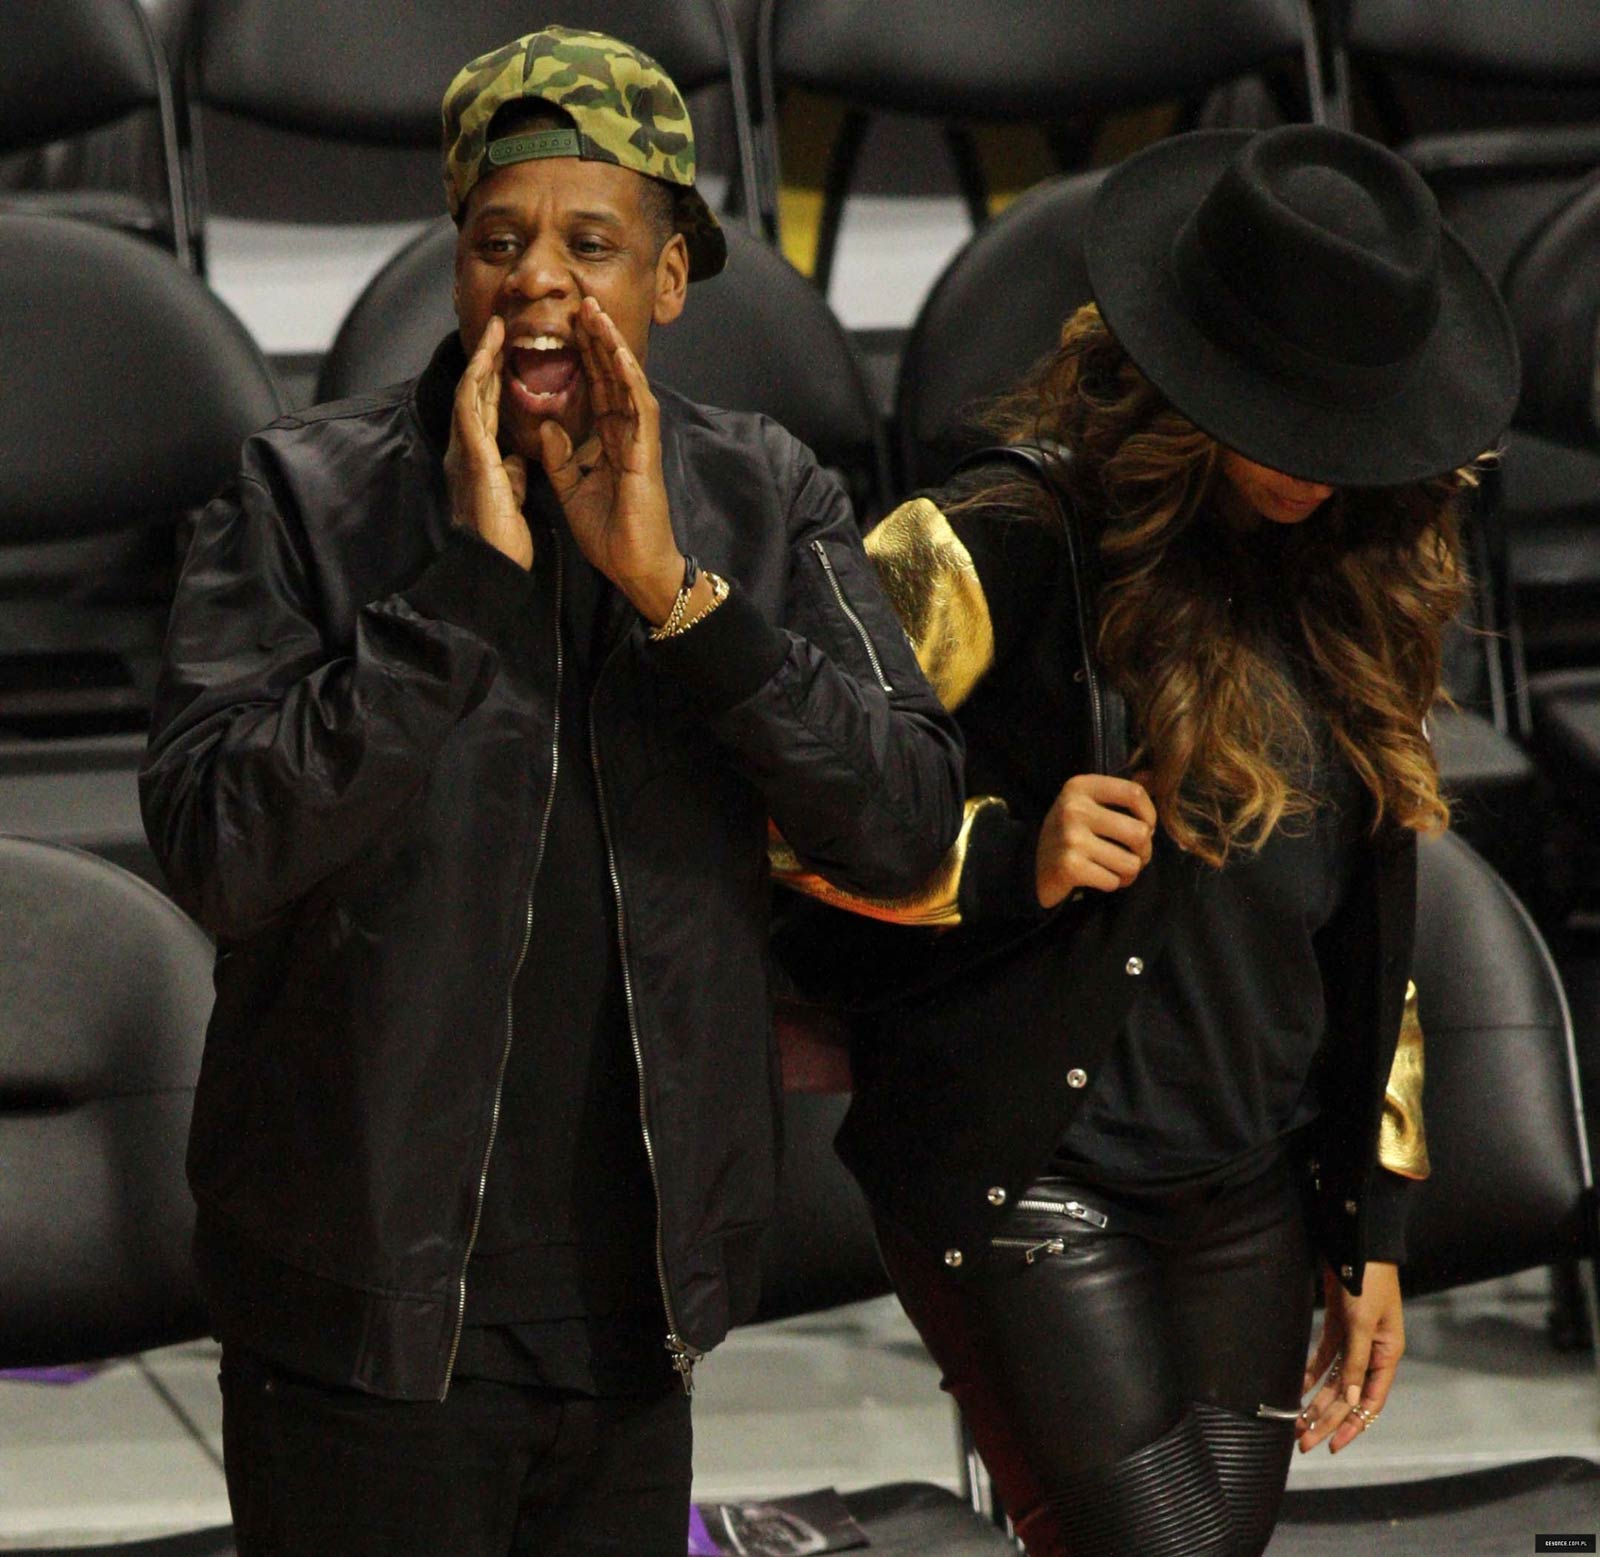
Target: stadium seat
(85, 88)
(755, 338)
(98, 1060)
(125, 392)
(1037, 62)
(346, 111)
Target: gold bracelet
(675, 624)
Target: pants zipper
(684, 1356)
(511, 991)
(855, 621)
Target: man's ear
(672, 279)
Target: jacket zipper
(1073, 1208)
(684, 1356)
(855, 621)
(511, 991)
(1031, 1248)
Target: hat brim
(702, 233)
(1448, 404)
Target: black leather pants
(1110, 1361)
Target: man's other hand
(611, 488)
(487, 488)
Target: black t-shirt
(1212, 1068)
(562, 1288)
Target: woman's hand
(1099, 833)
(1362, 1341)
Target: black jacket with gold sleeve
(989, 1022)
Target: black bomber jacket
(350, 758)
(979, 1018)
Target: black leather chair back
(1511, 1187)
(375, 73)
(756, 338)
(105, 990)
(125, 387)
(1553, 291)
(74, 66)
(996, 309)
(1551, 42)
(1025, 59)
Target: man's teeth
(539, 343)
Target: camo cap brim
(625, 108)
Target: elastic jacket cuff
(726, 657)
(1000, 877)
(1388, 1205)
(473, 585)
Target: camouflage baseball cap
(625, 107)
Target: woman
(1115, 1120)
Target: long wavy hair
(1221, 640)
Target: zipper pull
(684, 1357)
(1049, 1246)
(1082, 1213)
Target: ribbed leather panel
(1163, 1501)
(1252, 1461)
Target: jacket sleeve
(276, 757)
(962, 592)
(827, 711)
(1402, 1142)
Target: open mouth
(542, 371)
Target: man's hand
(611, 490)
(1099, 833)
(487, 488)
(1361, 1344)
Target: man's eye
(496, 247)
(589, 246)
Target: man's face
(536, 239)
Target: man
(469, 767)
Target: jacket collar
(433, 393)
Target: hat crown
(1320, 240)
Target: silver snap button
(1077, 1078)
(997, 1196)
(1349, 1208)
(952, 1258)
(1347, 1271)
(1134, 966)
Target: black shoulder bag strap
(1108, 710)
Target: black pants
(495, 1469)
(1110, 1374)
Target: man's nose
(541, 271)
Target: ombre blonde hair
(1197, 626)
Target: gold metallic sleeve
(1402, 1140)
(934, 903)
(929, 577)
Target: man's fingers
(517, 473)
(590, 338)
(555, 454)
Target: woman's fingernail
(1353, 1395)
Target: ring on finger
(1363, 1415)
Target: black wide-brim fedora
(1295, 294)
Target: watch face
(761, 1530)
